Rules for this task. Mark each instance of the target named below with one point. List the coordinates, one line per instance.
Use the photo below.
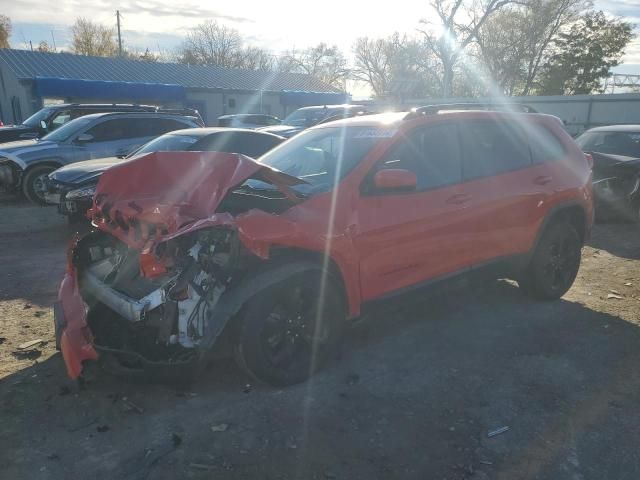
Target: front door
(406, 238)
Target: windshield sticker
(376, 133)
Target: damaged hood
(158, 193)
(81, 172)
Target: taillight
(589, 159)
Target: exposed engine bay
(158, 301)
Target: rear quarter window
(545, 146)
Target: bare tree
(5, 31)
(455, 28)
(93, 39)
(324, 62)
(212, 43)
(43, 46)
(373, 63)
(397, 66)
(255, 58)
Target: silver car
(25, 165)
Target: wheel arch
(573, 212)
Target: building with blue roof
(30, 80)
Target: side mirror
(84, 138)
(395, 179)
(43, 125)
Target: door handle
(459, 199)
(542, 180)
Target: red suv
(197, 253)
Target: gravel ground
(414, 393)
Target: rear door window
(159, 126)
(491, 148)
(117, 129)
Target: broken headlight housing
(88, 191)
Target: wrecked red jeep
(198, 253)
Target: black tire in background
(287, 331)
(554, 264)
(33, 183)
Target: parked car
(248, 120)
(616, 170)
(25, 165)
(307, 117)
(72, 187)
(197, 251)
(49, 118)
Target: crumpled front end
(146, 290)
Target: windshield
(615, 143)
(324, 156)
(166, 143)
(306, 118)
(35, 119)
(68, 129)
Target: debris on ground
(39, 313)
(2, 340)
(26, 306)
(497, 431)
(31, 344)
(628, 284)
(129, 406)
(614, 295)
(222, 427)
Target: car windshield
(166, 143)
(307, 118)
(34, 120)
(615, 143)
(322, 157)
(69, 129)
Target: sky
(160, 25)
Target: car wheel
(289, 330)
(34, 183)
(554, 264)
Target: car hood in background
(153, 196)
(81, 172)
(282, 130)
(607, 161)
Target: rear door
(500, 186)
(406, 238)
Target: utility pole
(55, 49)
(119, 36)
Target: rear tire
(33, 183)
(284, 336)
(554, 264)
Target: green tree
(584, 55)
(5, 31)
(93, 39)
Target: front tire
(34, 183)
(288, 331)
(555, 263)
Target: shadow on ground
(413, 395)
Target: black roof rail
(498, 107)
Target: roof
(617, 128)
(346, 106)
(27, 65)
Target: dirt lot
(414, 394)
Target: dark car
(307, 117)
(268, 260)
(72, 187)
(24, 165)
(248, 120)
(616, 170)
(49, 118)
